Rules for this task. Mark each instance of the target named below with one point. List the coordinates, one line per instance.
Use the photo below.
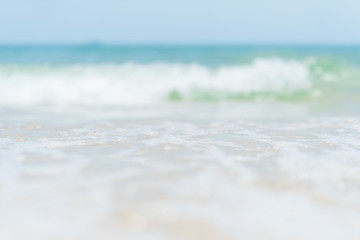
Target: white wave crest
(131, 83)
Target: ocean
(179, 142)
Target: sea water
(179, 142)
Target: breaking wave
(154, 83)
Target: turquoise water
(323, 78)
(205, 55)
(140, 75)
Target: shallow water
(180, 179)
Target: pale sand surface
(185, 179)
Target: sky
(180, 21)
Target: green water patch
(336, 79)
(218, 96)
(331, 80)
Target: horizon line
(179, 44)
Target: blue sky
(185, 21)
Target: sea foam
(152, 83)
